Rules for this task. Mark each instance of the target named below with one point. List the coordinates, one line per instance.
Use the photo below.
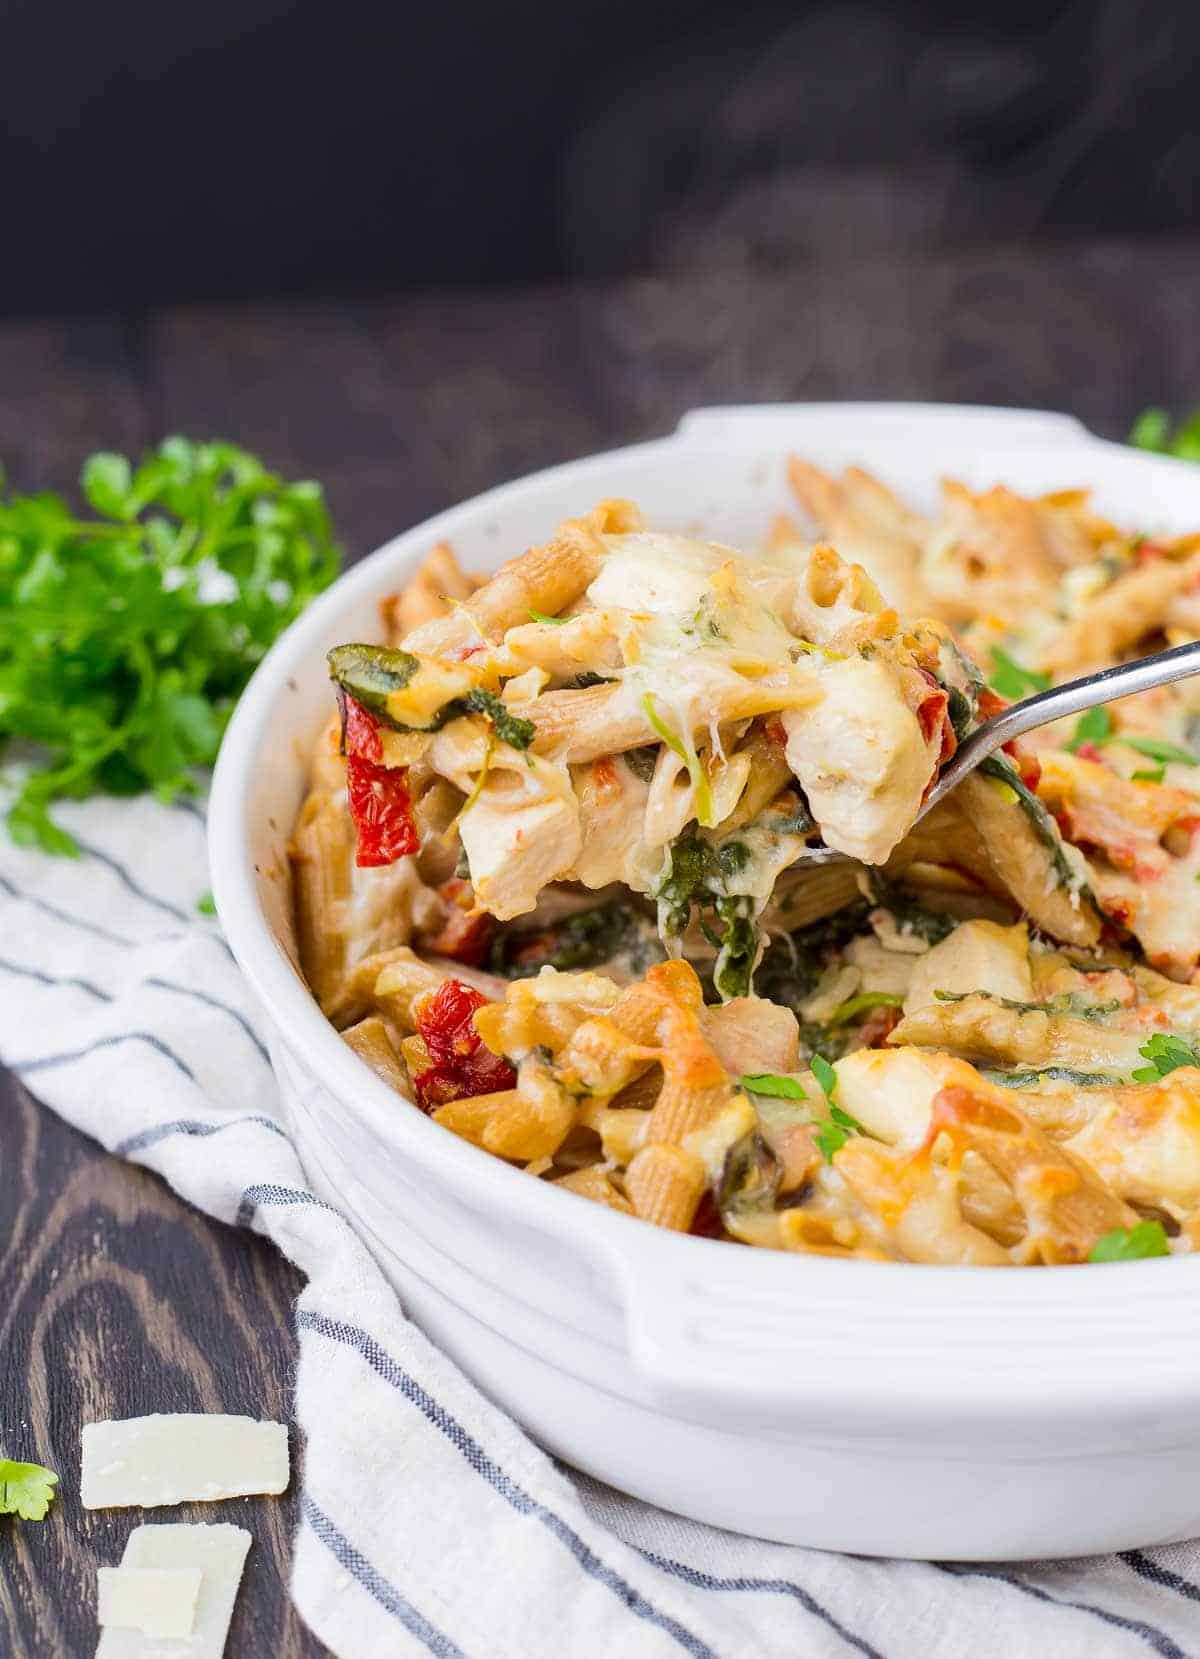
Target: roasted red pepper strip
(461, 1065)
(379, 800)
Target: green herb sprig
(127, 635)
(1152, 430)
(26, 1489)
(1165, 1054)
(1011, 680)
(1131, 1244)
(832, 1136)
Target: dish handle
(873, 423)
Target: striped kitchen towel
(429, 1522)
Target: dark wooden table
(112, 1292)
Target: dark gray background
(151, 152)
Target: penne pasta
(548, 877)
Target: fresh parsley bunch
(1152, 430)
(126, 635)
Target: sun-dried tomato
(461, 1065)
(379, 800)
(360, 732)
(382, 811)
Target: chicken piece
(977, 956)
(749, 1034)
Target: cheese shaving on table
(219, 1553)
(158, 1601)
(174, 1458)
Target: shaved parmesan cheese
(158, 1601)
(174, 1458)
(219, 1553)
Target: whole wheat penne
(370, 1041)
(470, 1117)
(597, 1185)
(627, 725)
(665, 1185)
(544, 579)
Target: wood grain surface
(116, 1298)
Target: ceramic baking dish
(901, 1410)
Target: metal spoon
(1061, 700)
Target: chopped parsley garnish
(832, 1135)
(26, 1489)
(856, 1007)
(1152, 430)
(1165, 1054)
(1131, 1244)
(825, 1076)
(1149, 774)
(1094, 726)
(1011, 680)
(1155, 748)
(517, 733)
(773, 1084)
(206, 905)
(553, 621)
(126, 636)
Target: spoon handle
(1062, 700)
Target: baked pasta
(547, 885)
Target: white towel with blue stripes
(429, 1523)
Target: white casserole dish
(959, 1413)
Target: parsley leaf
(832, 1135)
(1155, 749)
(1152, 430)
(850, 1011)
(206, 905)
(127, 637)
(1131, 1244)
(1095, 727)
(1013, 681)
(1165, 1054)
(554, 621)
(825, 1076)
(26, 1489)
(771, 1083)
